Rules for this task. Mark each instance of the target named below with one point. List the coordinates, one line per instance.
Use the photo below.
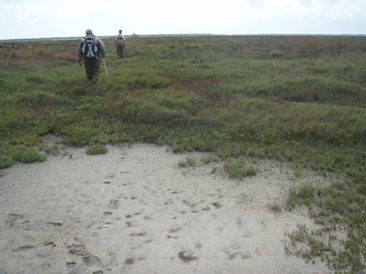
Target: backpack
(89, 49)
(120, 40)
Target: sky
(21, 19)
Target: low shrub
(6, 161)
(96, 149)
(28, 156)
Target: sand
(134, 210)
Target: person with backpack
(90, 50)
(120, 43)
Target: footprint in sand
(54, 224)
(33, 249)
(13, 218)
(110, 176)
(26, 225)
(217, 205)
(113, 204)
(86, 257)
(187, 256)
(25, 250)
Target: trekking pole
(105, 67)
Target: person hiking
(90, 50)
(120, 43)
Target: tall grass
(291, 98)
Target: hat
(88, 31)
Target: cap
(88, 31)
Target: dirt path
(133, 210)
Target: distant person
(91, 49)
(120, 43)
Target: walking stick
(105, 67)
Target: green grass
(96, 149)
(276, 208)
(241, 99)
(188, 162)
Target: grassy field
(291, 98)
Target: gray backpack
(89, 49)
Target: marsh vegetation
(291, 98)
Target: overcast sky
(65, 18)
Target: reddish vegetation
(202, 87)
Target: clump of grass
(6, 161)
(250, 171)
(298, 172)
(292, 199)
(255, 159)
(301, 196)
(235, 169)
(210, 158)
(276, 208)
(188, 162)
(96, 149)
(28, 156)
(54, 149)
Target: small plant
(235, 169)
(191, 161)
(55, 150)
(303, 196)
(210, 158)
(250, 171)
(297, 172)
(187, 162)
(292, 199)
(306, 192)
(96, 149)
(255, 160)
(276, 208)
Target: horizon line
(134, 35)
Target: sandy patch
(133, 210)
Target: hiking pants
(92, 68)
(120, 51)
